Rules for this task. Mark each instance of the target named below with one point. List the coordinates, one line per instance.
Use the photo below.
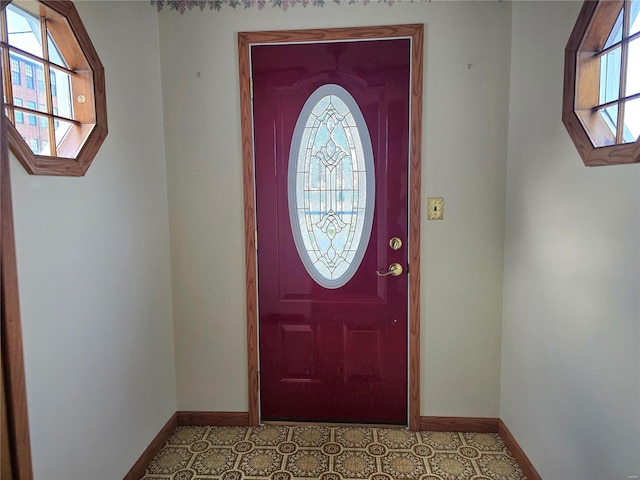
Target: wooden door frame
(415, 33)
(15, 420)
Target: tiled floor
(276, 452)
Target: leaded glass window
(331, 186)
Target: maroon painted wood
(333, 355)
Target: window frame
(28, 75)
(32, 118)
(19, 114)
(16, 76)
(81, 144)
(591, 135)
(40, 79)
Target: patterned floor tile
(276, 452)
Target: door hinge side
(251, 86)
(255, 238)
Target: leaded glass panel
(331, 186)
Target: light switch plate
(435, 208)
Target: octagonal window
(601, 107)
(53, 87)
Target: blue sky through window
(611, 75)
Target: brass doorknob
(394, 270)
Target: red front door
(332, 348)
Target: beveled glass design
(331, 187)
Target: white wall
(465, 133)
(94, 273)
(571, 331)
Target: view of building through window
(54, 87)
(40, 84)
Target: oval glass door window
(331, 186)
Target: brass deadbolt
(395, 243)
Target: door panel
(332, 354)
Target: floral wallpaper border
(183, 5)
